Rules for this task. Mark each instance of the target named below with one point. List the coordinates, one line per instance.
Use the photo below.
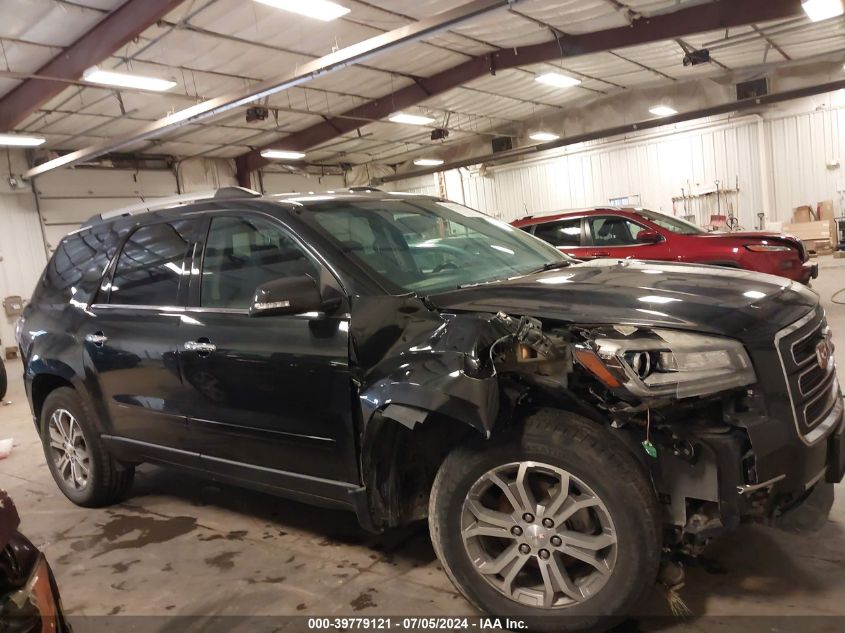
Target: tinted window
(150, 266)
(560, 233)
(429, 246)
(243, 253)
(612, 230)
(79, 262)
(676, 225)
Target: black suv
(565, 427)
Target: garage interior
(727, 111)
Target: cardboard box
(825, 210)
(803, 214)
(823, 230)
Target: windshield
(427, 246)
(675, 225)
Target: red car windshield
(675, 225)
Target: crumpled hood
(740, 304)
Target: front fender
(436, 383)
(405, 353)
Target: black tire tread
(545, 428)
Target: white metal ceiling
(210, 47)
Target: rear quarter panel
(47, 331)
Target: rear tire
(567, 569)
(3, 380)
(80, 464)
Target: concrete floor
(184, 546)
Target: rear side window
(612, 230)
(151, 265)
(243, 253)
(560, 233)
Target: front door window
(243, 253)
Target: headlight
(768, 248)
(662, 362)
(34, 608)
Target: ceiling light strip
(337, 60)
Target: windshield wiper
(551, 266)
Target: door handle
(202, 347)
(97, 338)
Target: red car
(617, 233)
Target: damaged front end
(687, 405)
(438, 374)
(694, 406)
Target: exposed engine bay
(681, 402)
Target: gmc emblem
(824, 353)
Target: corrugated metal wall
(807, 150)
(650, 168)
(423, 185)
(777, 163)
(22, 256)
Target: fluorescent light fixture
(755, 294)
(557, 80)
(544, 136)
(428, 162)
(110, 78)
(15, 140)
(663, 110)
(411, 119)
(317, 9)
(282, 154)
(818, 10)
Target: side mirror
(649, 237)
(290, 295)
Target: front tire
(81, 466)
(554, 523)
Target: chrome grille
(813, 389)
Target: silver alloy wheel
(69, 449)
(539, 535)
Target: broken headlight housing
(660, 362)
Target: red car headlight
(768, 248)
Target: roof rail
(173, 201)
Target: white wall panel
(296, 183)
(22, 255)
(788, 157)
(653, 167)
(807, 150)
(423, 185)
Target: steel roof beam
(716, 15)
(118, 28)
(337, 60)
